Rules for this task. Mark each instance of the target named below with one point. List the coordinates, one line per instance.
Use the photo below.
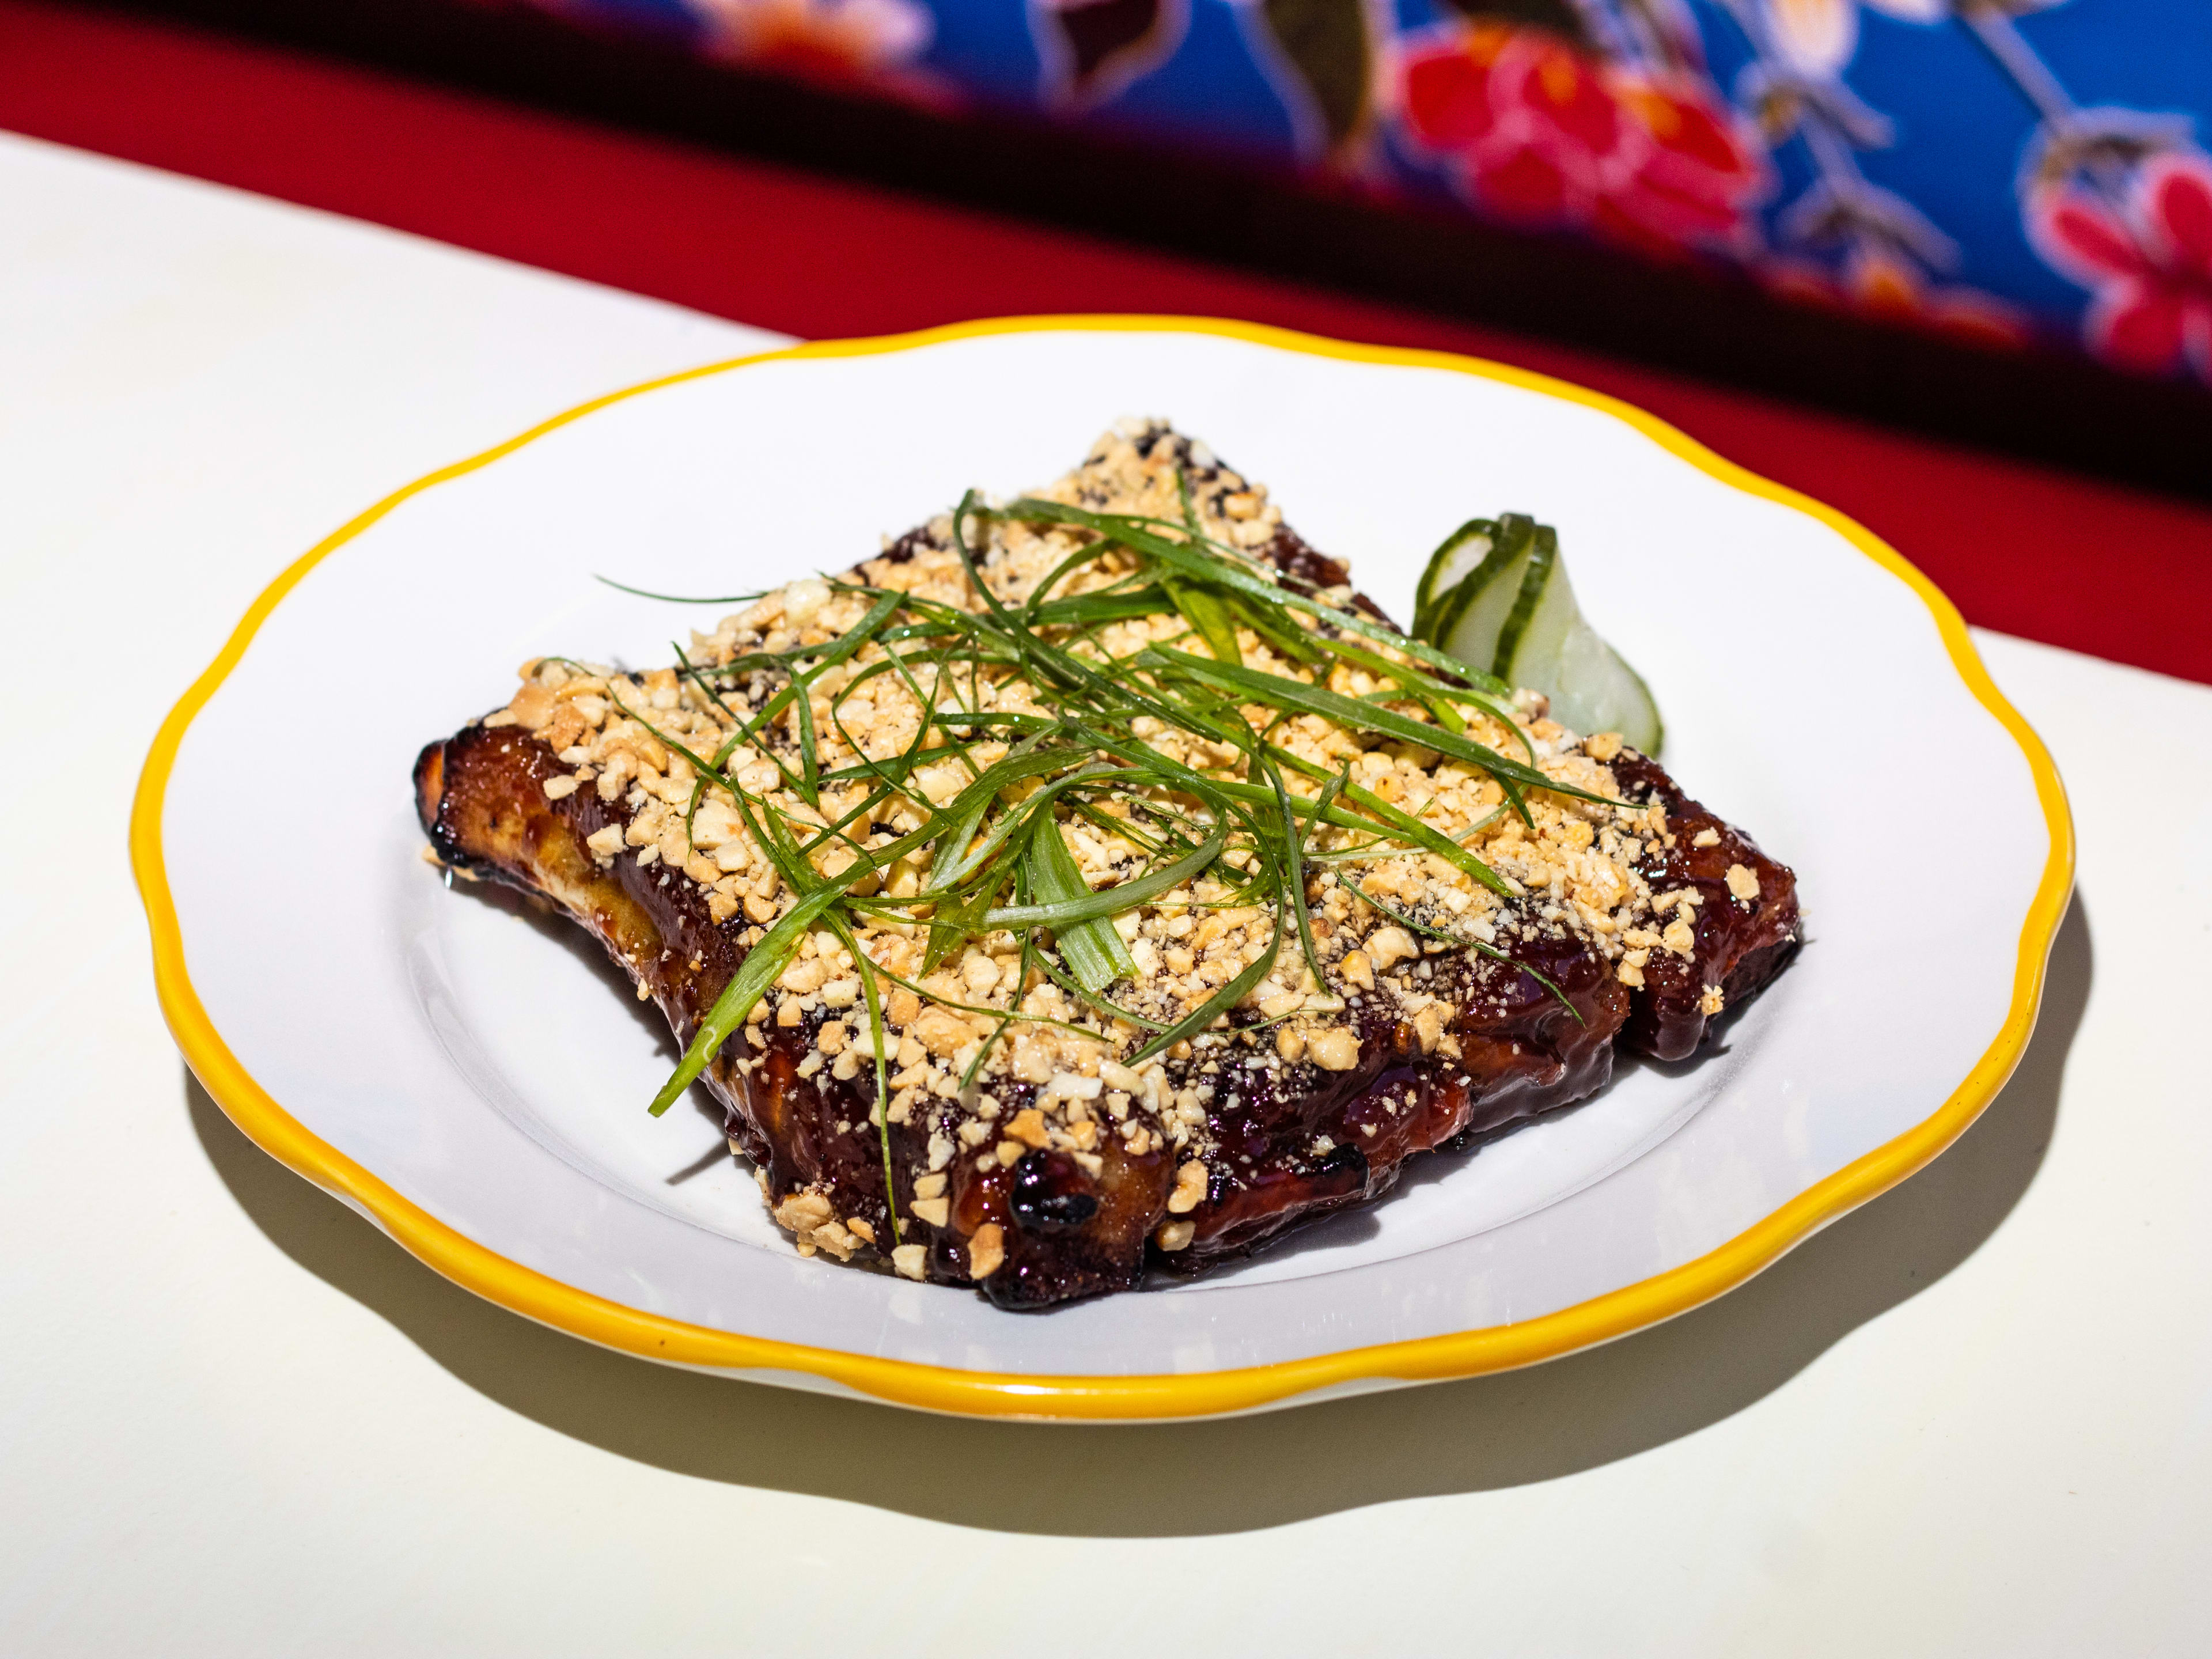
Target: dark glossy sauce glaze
(1292, 1142)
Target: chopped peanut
(1189, 1188)
(987, 1250)
(1336, 1049)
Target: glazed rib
(1066, 1173)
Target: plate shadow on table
(1242, 1474)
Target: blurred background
(1986, 220)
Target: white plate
(475, 1079)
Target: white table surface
(1972, 1417)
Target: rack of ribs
(1052, 1168)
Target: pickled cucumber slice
(1546, 645)
(1596, 691)
(1540, 609)
(1476, 607)
(1461, 551)
(1514, 615)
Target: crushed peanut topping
(992, 1046)
(808, 1214)
(1189, 1188)
(987, 1250)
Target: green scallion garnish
(1179, 768)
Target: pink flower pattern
(1729, 131)
(1545, 135)
(2148, 261)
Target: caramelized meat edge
(1295, 1145)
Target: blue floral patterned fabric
(2007, 170)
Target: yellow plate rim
(1133, 1398)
